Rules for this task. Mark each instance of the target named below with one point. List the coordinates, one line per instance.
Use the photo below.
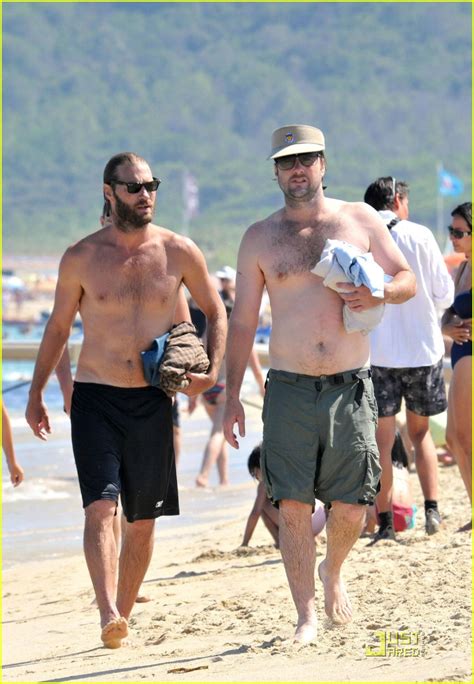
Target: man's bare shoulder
(87, 243)
(175, 241)
(79, 256)
(359, 211)
(265, 226)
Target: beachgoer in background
(403, 507)
(124, 280)
(319, 375)
(14, 468)
(457, 324)
(216, 450)
(406, 352)
(264, 509)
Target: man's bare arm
(242, 327)
(182, 312)
(197, 280)
(387, 254)
(64, 376)
(66, 302)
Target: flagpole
(190, 193)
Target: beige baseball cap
(296, 139)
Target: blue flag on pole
(449, 184)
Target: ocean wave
(31, 491)
(56, 419)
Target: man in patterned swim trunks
(407, 352)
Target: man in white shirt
(407, 352)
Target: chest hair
(296, 250)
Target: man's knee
(289, 509)
(101, 511)
(349, 514)
(140, 528)
(418, 428)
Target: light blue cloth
(151, 359)
(360, 269)
(343, 262)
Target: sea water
(43, 517)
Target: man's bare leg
(298, 551)
(343, 527)
(426, 460)
(101, 556)
(135, 556)
(385, 436)
(141, 598)
(223, 463)
(214, 444)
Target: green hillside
(200, 86)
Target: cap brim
(297, 148)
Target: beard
(127, 219)
(299, 194)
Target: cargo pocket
(266, 475)
(371, 484)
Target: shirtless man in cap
(124, 280)
(319, 411)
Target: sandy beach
(222, 613)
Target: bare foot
(336, 600)
(306, 632)
(201, 482)
(142, 598)
(113, 632)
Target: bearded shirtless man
(319, 411)
(124, 280)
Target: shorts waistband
(334, 379)
(116, 390)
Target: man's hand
(234, 413)
(37, 417)
(358, 298)
(200, 382)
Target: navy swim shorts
(123, 446)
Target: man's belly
(120, 368)
(317, 352)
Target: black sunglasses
(133, 188)
(306, 159)
(458, 233)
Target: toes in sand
(336, 600)
(305, 633)
(113, 632)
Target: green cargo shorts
(319, 438)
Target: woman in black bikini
(457, 324)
